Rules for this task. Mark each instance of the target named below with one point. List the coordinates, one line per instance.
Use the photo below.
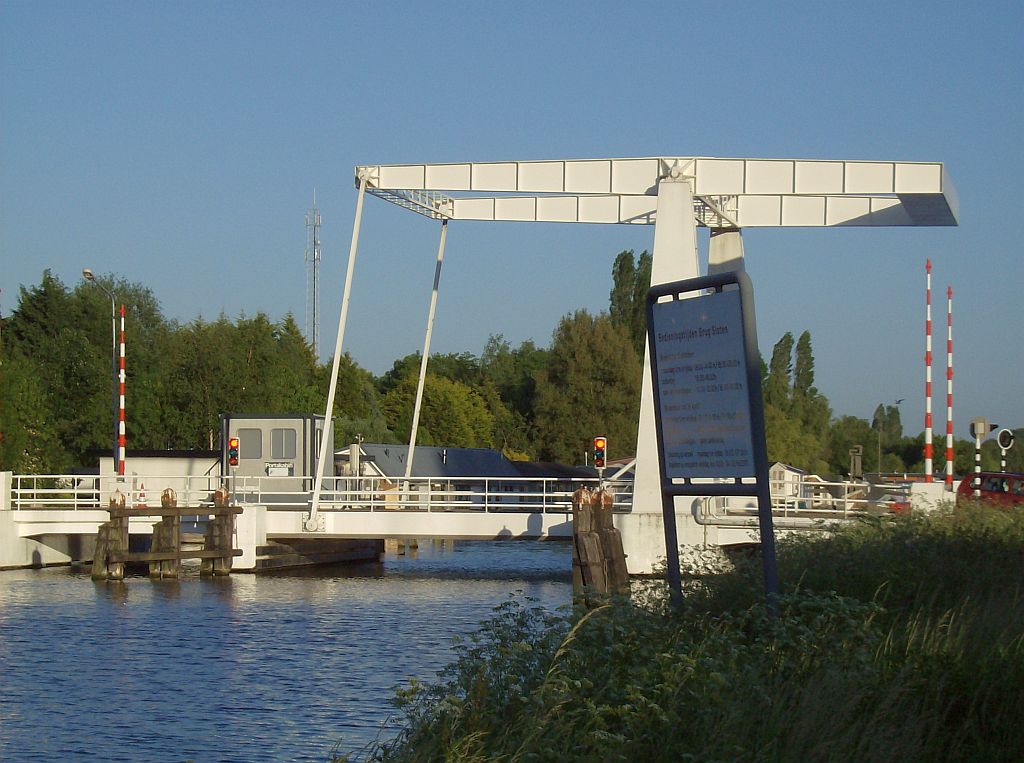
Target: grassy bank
(899, 640)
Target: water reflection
(270, 667)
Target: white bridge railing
(825, 500)
(814, 500)
(458, 494)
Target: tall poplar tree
(627, 308)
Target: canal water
(278, 667)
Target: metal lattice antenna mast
(313, 277)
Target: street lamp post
(88, 275)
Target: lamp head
(87, 274)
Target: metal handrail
(806, 500)
(839, 500)
(486, 494)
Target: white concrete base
(927, 496)
(16, 551)
(425, 524)
(643, 537)
(250, 532)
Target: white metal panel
(542, 177)
(929, 209)
(521, 208)
(448, 177)
(918, 178)
(401, 176)
(769, 177)
(638, 209)
(869, 177)
(844, 210)
(950, 195)
(803, 210)
(599, 209)
(760, 210)
(719, 177)
(501, 176)
(588, 177)
(474, 209)
(818, 177)
(635, 176)
(557, 209)
(889, 212)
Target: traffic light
(600, 450)
(980, 428)
(233, 451)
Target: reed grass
(898, 639)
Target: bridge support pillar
(674, 258)
(250, 534)
(725, 252)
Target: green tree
(451, 413)
(1015, 456)
(28, 441)
(591, 386)
(803, 367)
(778, 386)
(357, 406)
(797, 416)
(846, 433)
(69, 345)
(627, 302)
(512, 372)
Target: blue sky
(178, 145)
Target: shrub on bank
(897, 639)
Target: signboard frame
(753, 482)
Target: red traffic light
(600, 451)
(233, 451)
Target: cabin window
(250, 443)
(282, 443)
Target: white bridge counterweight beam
(765, 192)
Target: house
(786, 481)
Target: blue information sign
(704, 402)
(709, 414)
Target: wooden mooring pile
(165, 553)
(598, 561)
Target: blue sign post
(709, 413)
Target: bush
(896, 639)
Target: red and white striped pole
(928, 375)
(120, 423)
(949, 388)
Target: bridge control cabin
(284, 446)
